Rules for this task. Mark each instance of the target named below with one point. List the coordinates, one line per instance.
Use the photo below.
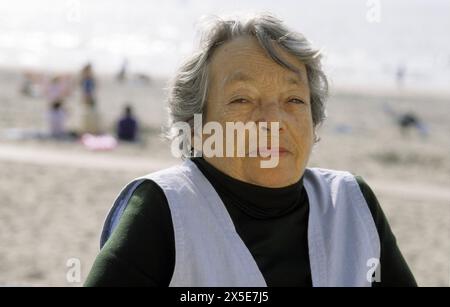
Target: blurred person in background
(88, 89)
(127, 126)
(122, 74)
(57, 118)
(57, 90)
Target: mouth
(270, 152)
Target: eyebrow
(239, 76)
(297, 80)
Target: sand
(54, 196)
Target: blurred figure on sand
(127, 126)
(57, 123)
(88, 88)
(28, 86)
(407, 121)
(57, 90)
(400, 76)
(57, 120)
(122, 74)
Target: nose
(270, 111)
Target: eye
(240, 101)
(296, 100)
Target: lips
(274, 151)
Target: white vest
(343, 240)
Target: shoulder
(364, 186)
(141, 201)
(376, 211)
(139, 250)
(328, 179)
(331, 178)
(340, 174)
(147, 199)
(176, 179)
(322, 175)
(370, 198)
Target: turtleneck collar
(257, 201)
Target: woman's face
(246, 85)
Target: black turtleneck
(272, 222)
(269, 221)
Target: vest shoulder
(327, 173)
(175, 170)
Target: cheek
(302, 131)
(226, 113)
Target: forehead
(243, 57)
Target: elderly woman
(227, 221)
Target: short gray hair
(188, 91)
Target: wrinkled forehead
(244, 58)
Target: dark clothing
(127, 129)
(272, 223)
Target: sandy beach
(54, 195)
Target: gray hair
(188, 90)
